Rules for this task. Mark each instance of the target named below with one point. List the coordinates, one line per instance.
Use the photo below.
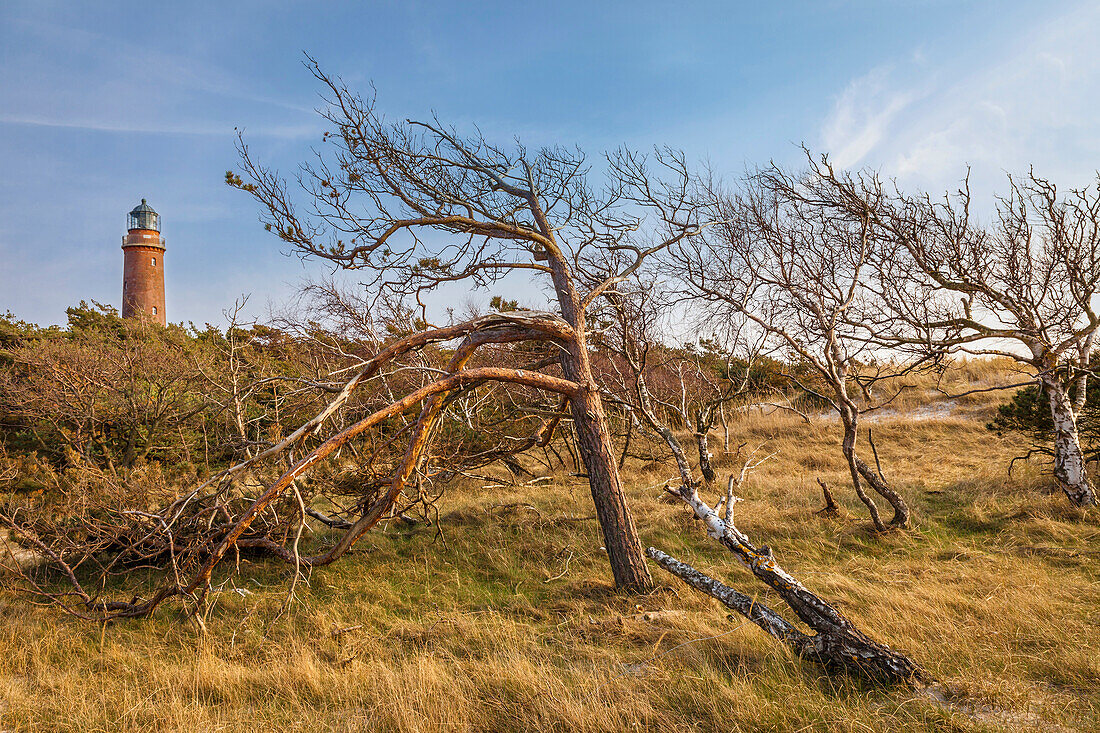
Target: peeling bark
(1069, 459)
(702, 442)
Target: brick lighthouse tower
(143, 266)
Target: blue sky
(104, 103)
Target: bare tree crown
(418, 204)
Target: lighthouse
(143, 266)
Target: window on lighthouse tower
(154, 262)
(154, 310)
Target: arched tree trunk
(859, 469)
(1069, 459)
(848, 446)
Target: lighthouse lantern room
(143, 266)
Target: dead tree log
(836, 644)
(830, 509)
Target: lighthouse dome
(142, 216)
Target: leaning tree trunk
(878, 482)
(597, 453)
(624, 546)
(836, 645)
(1069, 459)
(620, 535)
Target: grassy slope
(995, 591)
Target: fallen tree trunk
(836, 644)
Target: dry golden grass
(995, 591)
(931, 392)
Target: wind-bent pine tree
(415, 205)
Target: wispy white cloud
(122, 126)
(863, 115)
(79, 79)
(924, 121)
